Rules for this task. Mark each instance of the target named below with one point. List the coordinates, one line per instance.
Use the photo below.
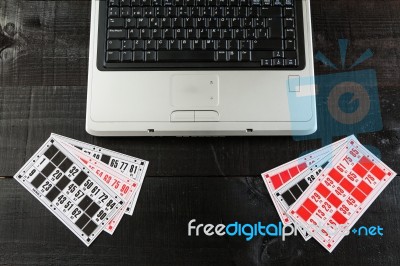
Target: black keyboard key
(113, 57)
(201, 23)
(180, 2)
(268, 45)
(154, 23)
(138, 44)
(247, 23)
(262, 34)
(130, 23)
(197, 45)
(278, 62)
(114, 45)
(157, 34)
(245, 56)
(151, 45)
(239, 34)
(145, 34)
(163, 45)
(233, 56)
(142, 23)
(137, 12)
(180, 34)
(291, 62)
(242, 12)
(115, 23)
(136, 2)
(251, 34)
(126, 56)
(125, 2)
(253, 12)
(236, 23)
(290, 34)
(290, 54)
(227, 34)
(209, 45)
(289, 23)
(160, 12)
(212, 2)
(176, 45)
(271, 12)
(289, 12)
(246, 45)
(202, 33)
(278, 54)
(191, 34)
(147, 2)
(275, 28)
(185, 12)
(113, 2)
(158, 2)
(116, 34)
(266, 62)
(185, 56)
(260, 55)
(138, 56)
(177, 23)
(189, 22)
(221, 56)
(169, 34)
(151, 56)
(289, 2)
(126, 12)
(290, 45)
(201, 2)
(134, 34)
(171, 12)
(230, 12)
(166, 23)
(127, 45)
(113, 12)
(148, 12)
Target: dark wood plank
(51, 47)
(157, 232)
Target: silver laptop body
(200, 102)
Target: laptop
(201, 68)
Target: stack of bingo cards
(86, 187)
(324, 193)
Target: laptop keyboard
(200, 33)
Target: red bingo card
(282, 175)
(341, 194)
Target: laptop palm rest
(194, 91)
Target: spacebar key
(185, 56)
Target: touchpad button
(195, 90)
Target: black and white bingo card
(87, 195)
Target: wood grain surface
(43, 73)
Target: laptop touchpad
(194, 90)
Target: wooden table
(43, 76)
